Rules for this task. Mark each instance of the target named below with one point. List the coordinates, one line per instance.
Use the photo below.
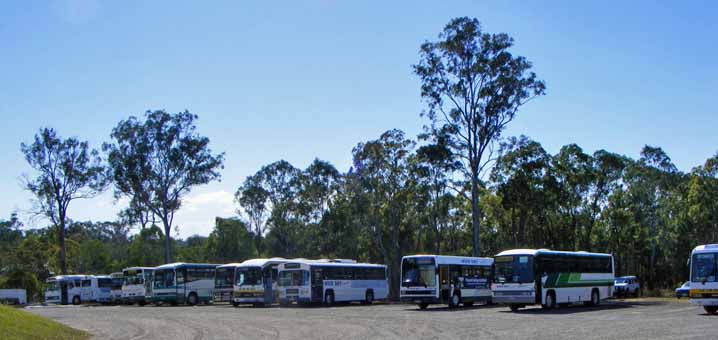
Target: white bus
(452, 280)
(224, 283)
(77, 289)
(256, 282)
(116, 290)
(137, 285)
(549, 278)
(326, 281)
(179, 283)
(704, 277)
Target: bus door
(267, 283)
(181, 284)
(63, 292)
(317, 283)
(444, 282)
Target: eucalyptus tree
(473, 87)
(66, 170)
(156, 161)
(382, 168)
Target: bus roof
(263, 262)
(449, 259)
(229, 265)
(139, 268)
(705, 248)
(536, 252)
(183, 264)
(67, 277)
(328, 263)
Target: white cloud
(198, 212)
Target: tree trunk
(61, 237)
(476, 249)
(168, 241)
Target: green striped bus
(551, 278)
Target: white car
(626, 285)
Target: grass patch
(18, 324)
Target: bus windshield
(133, 277)
(704, 267)
(224, 277)
(514, 269)
(249, 276)
(293, 278)
(418, 272)
(51, 285)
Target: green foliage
(230, 241)
(18, 324)
(20, 279)
(156, 161)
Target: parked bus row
(516, 278)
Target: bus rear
(224, 283)
(294, 283)
(704, 277)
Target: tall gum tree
(156, 161)
(473, 87)
(67, 169)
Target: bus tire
(514, 308)
(550, 300)
(235, 304)
(468, 304)
(454, 300)
(369, 297)
(192, 299)
(710, 309)
(329, 299)
(76, 300)
(595, 297)
(141, 303)
(423, 305)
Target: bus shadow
(575, 309)
(445, 309)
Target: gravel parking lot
(623, 319)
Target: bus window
(86, 283)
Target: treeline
(29, 256)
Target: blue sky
(297, 80)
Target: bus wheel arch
(595, 297)
(455, 299)
(192, 299)
(550, 300)
(329, 297)
(369, 296)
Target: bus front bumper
(133, 299)
(290, 299)
(419, 299)
(704, 302)
(509, 297)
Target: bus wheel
(468, 304)
(710, 309)
(192, 300)
(330, 298)
(235, 304)
(595, 298)
(550, 301)
(76, 300)
(141, 303)
(423, 305)
(369, 299)
(454, 301)
(514, 307)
